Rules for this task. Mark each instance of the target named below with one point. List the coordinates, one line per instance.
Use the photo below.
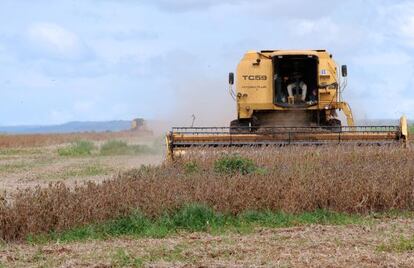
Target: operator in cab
(297, 87)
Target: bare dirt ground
(307, 246)
(30, 166)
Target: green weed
(400, 245)
(117, 147)
(76, 170)
(122, 258)
(194, 218)
(14, 167)
(19, 151)
(231, 164)
(78, 148)
(85, 171)
(191, 167)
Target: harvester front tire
(239, 127)
(334, 125)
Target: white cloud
(381, 83)
(54, 39)
(390, 58)
(188, 5)
(273, 8)
(322, 27)
(397, 22)
(407, 29)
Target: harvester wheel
(239, 127)
(334, 125)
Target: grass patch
(280, 219)
(231, 164)
(78, 148)
(195, 218)
(76, 171)
(394, 214)
(117, 147)
(85, 171)
(399, 245)
(123, 258)
(19, 151)
(14, 167)
(191, 167)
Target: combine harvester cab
(287, 97)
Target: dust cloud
(201, 103)
(208, 100)
(195, 84)
(285, 118)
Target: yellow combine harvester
(287, 97)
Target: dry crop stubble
(294, 179)
(35, 140)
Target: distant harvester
(140, 125)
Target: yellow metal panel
(254, 82)
(404, 129)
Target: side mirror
(344, 71)
(231, 78)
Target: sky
(92, 60)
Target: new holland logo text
(254, 77)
